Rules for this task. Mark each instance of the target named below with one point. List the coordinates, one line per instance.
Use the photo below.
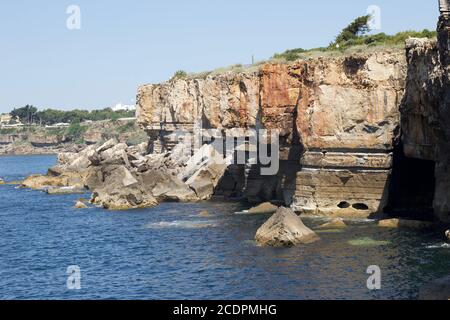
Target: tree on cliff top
(359, 27)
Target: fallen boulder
(107, 145)
(403, 223)
(120, 190)
(436, 290)
(284, 229)
(264, 208)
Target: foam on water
(181, 225)
(439, 246)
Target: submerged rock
(284, 229)
(204, 214)
(264, 208)
(436, 290)
(80, 205)
(367, 242)
(64, 190)
(333, 224)
(403, 223)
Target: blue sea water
(171, 252)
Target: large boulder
(107, 145)
(166, 186)
(121, 190)
(436, 290)
(205, 180)
(284, 229)
(114, 152)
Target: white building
(123, 107)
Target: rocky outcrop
(122, 177)
(337, 118)
(284, 229)
(358, 134)
(426, 112)
(44, 140)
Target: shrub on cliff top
(180, 74)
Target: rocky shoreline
(361, 135)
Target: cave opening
(412, 187)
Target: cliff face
(426, 112)
(337, 120)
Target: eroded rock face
(284, 229)
(338, 121)
(426, 111)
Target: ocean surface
(171, 252)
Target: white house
(123, 107)
(5, 118)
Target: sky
(123, 44)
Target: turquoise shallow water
(170, 252)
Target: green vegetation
(180, 74)
(25, 114)
(126, 127)
(31, 115)
(359, 27)
(355, 35)
(75, 131)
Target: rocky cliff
(426, 114)
(44, 140)
(337, 117)
(360, 134)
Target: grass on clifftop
(353, 38)
(380, 40)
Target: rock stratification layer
(337, 119)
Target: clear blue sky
(123, 44)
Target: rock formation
(358, 133)
(426, 114)
(122, 177)
(284, 229)
(337, 119)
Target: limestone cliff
(426, 113)
(337, 117)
